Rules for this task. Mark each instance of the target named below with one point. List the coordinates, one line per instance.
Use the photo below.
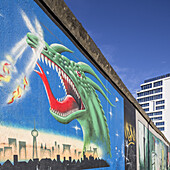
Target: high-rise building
(154, 97)
(22, 150)
(8, 153)
(15, 159)
(13, 143)
(34, 133)
(66, 148)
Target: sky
(134, 36)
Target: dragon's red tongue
(66, 105)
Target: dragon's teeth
(67, 78)
(39, 57)
(56, 68)
(46, 60)
(74, 88)
(53, 65)
(42, 57)
(59, 72)
(69, 81)
(64, 75)
(49, 62)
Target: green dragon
(81, 102)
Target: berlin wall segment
(55, 101)
(153, 152)
(55, 104)
(130, 135)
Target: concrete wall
(98, 123)
(76, 32)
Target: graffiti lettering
(130, 134)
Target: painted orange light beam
(5, 68)
(5, 78)
(25, 82)
(16, 94)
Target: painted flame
(5, 78)
(5, 68)
(25, 82)
(16, 94)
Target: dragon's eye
(45, 48)
(79, 74)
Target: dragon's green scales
(82, 102)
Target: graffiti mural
(143, 146)
(55, 105)
(130, 135)
(152, 151)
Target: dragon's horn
(95, 86)
(60, 48)
(87, 69)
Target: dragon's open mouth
(72, 102)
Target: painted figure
(81, 101)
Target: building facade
(154, 97)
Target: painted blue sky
(133, 35)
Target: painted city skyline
(16, 145)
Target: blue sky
(133, 35)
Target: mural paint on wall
(53, 100)
(130, 135)
(156, 158)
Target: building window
(145, 105)
(160, 123)
(150, 114)
(146, 86)
(150, 98)
(161, 128)
(156, 118)
(146, 110)
(157, 113)
(154, 113)
(158, 83)
(149, 92)
(160, 102)
(160, 107)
